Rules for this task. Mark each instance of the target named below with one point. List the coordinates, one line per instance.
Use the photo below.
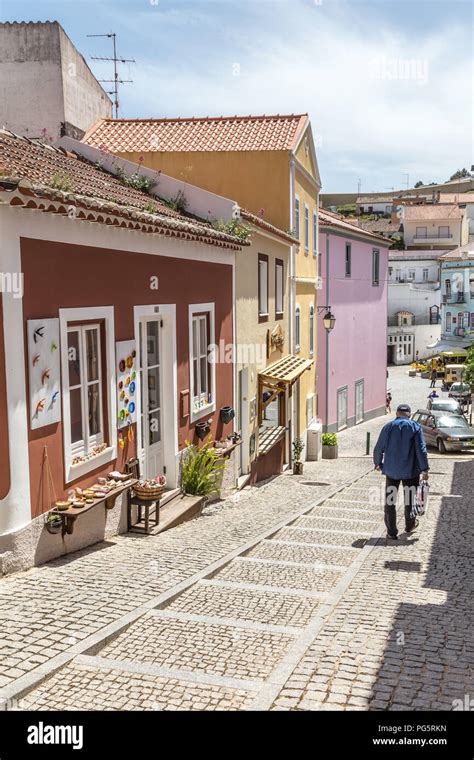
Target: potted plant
(298, 447)
(227, 414)
(53, 523)
(330, 449)
(201, 469)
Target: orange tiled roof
(210, 133)
(44, 171)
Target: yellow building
(268, 163)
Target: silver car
(445, 405)
(444, 430)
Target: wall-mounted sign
(44, 372)
(127, 383)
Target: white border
(72, 472)
(195, 308)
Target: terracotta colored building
(109, 301)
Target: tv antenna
(116, 59)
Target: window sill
(75, 471)
(279, 315)
(203, 411)
(263, 317)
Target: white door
(244, 419)
(359, 401)
(150, 397)
(341, 408)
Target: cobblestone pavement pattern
(313, 609)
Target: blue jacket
(401, 449)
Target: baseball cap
(404, 408)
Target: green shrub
(200, 469)
(329, 439)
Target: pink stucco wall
(358, 342)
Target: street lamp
(329, 320)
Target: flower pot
(227, 414)
(297, 468)
(202, 430)
(54, 527)
(330, 452)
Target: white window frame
(306, 228)
(426, 275)
(279, 288)
(93, 315)
(311, 330)
(297, 216)
(315, 233)
(194, 310)
(263, 283)
(87, 443)
(297, 328)
(449, 321)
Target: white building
(414, 301)
(434, 226)
(46, 87)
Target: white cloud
(383, 100)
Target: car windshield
(460, 387)
(448, 405)
(451, 421)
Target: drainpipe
(327, 332)
(292, 298)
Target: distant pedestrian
(433, 394)
(401, 454)
(433, 376)
(388, 403)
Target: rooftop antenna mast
(116, 59)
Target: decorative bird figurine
(39, 406)
(36, 360)
(54, 397)
(54, 346)
(45, 376)
(38, 334)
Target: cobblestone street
(283, 597)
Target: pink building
(352, 358)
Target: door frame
(359, 383)
(169, 384)
(339, 390)
(244, 420)
(144, 452)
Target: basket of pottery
(150, 490)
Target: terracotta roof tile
(53, 172)
(220, 133)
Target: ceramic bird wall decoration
(44, 358)
(38, 333)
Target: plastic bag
(421, 499)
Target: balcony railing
(458, 297)
(434, 236)
(395, 322)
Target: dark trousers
(391, 492)
(433, 382)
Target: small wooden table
(70, 514)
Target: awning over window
(285, 371)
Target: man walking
(433, 377)
(401, 454)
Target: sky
(388, 85)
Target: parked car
(444, 430)
(461, 392)
(445, 405)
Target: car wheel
(441, 446)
